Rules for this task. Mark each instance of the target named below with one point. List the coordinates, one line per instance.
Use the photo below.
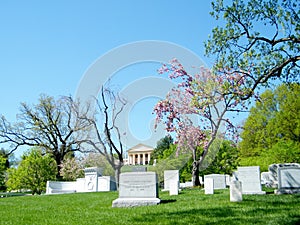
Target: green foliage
(258, 39)
(170, 161)
(225, 160)
(3, 168)
(162, 145)
(222, 158)
(272, 131)
(33, 172)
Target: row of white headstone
(247, 180)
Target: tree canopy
(52, 125)
(208, 96)
(271, 133)
(33, 172)
(258, 39)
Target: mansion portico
(139, 155)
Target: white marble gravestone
(137, 189)
(219, 180)
(174, 187)
(170, 176)
(236, 193)
(250, 178)
(288, 180)
(208, 186)
(91, 178)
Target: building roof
(140, 148)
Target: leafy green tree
(33, 172)
(3, 168)
(259, 39)
(5, 161)
(272, 131)
(225, 160)
(162, 145)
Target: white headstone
(173, 189)
(188, 184)
(236, 191)
(219, 180)
(250, 178)
(288, 180)
(209, 186)
(169, 176)
(137, 189)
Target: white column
(139, 159)
(144, 159)
(149, 157)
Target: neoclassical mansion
(139, 155)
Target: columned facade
(139, 155)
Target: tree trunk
(117, 175)
(59, 160)
(195, 174)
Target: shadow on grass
(167, 201)
(216, 216)
(12, 194)
(252, 210)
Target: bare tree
(106, 134)
(51, 125)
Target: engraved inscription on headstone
(137, 189)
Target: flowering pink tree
(208, 96)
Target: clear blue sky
(46, 46)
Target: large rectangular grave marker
(288, 180)
(250, 178)
(137, 189)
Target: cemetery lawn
(191, 206)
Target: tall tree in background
(260, 40)
(52, 125)
(161, 146)
(272, 131)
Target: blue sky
(47, 46)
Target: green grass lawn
(189, 207)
